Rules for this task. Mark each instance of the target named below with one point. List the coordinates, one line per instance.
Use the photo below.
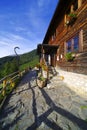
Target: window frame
(80, 43)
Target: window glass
(75, 4)
(76, 42)
(73, 44)
(69, 46)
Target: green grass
(9, 89)
(86, 120)
(83, 107)
(17, 128)
(1, 85)
(29, 64)
(32, 63)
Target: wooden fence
(10, 80)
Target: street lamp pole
(17, 56)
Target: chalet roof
(48, 49)
(58, 14)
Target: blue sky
(23, 23)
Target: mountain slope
(29, 59)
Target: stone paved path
(55, 107)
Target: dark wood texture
(64, 33)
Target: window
(75, 5)
(54, 36)
(76, 43)
(72, 45)
(69, 43)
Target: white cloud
(39, 16)
(15, 37)
(5, 51)
(18, 29)
(28, 27)
(2, 43)
(10, 41)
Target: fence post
(48, 73)
(20, 74)
(4, 87)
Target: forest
(10, 64)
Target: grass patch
(86, 120)
(9, 89)
(1, 85)
(31, 64)
(83, 107)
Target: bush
(69, 56)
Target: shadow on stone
(43, 118)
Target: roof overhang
(47, 48)
(57, 17)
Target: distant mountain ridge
(10, 64)
(23, 58)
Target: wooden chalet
(67, 33)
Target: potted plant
(41, 81)
(69, 56)
(72, 15)
(71, 18)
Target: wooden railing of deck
(10, 80)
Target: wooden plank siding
(60, 33)
(85, 39)
(79, 65)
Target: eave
(58, 15)
(47, 49)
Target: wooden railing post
(20, 74)
(48, 73)
(4, 87)
(12, 84)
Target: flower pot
(41, 83)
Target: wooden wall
(64, 33)
(85, 38)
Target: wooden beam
(72, 8)
(79, 3)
